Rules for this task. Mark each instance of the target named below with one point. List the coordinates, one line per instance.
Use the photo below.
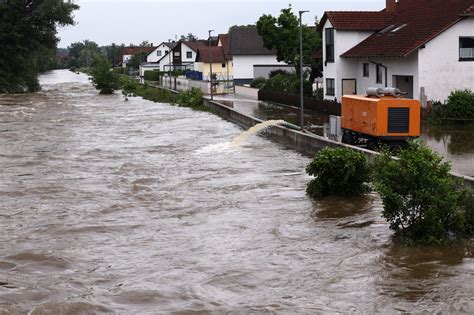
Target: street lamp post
(169, 61)
(301, 73)
(210, 64)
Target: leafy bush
(288, 84)
(338, 171)
(152, 75)
(421, 199)
(119, 70)
(191, 98)
(258, 83)
(277, 72)
(103, 78)
(129, 87)
(467, 206)
(461, 104)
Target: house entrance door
(349, 86)
(404, 83)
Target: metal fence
(324, 106)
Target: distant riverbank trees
(28, 40)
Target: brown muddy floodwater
(141, 208)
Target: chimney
(391, 6)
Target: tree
(282, 34)
(136, 60)
(103, 78)
(84, 53)
(190, 37)
(27, 36)
(422, 202)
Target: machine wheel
(347, 138)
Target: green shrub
(421, 199)
(258, 83)
(338, 171)
(467, 206)
(103, 78)
(277, 72)
(288, 83)
(193, 99)
(151, 75)
(461, 104)
(119, 70)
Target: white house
(181, 56)
(423, 47)
(160, 51)
(250, 57)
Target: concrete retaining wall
(305, 143)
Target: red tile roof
(137, 50)
(357, 20)
(195, 45)
(423, 20)
(217, 53)
(224, 38)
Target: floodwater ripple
(137, 207)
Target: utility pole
(169, 59)
(301, 73)
(210, 64)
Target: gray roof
(244, 40)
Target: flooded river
(136, 207)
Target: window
(379, 74)
(166, 52)
(329, 45)
(189, 54)
(330, 89)
(223, 65)
(177, 54)
(158, 53)
(366, 70)
(466, 49)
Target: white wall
(153, 56)
(184, 50)
(341, 68)
(243, 65)
(440, 69)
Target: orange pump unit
(379, 119)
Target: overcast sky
(133, 21)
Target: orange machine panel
(381, 117)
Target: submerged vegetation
(423, 202)
(192, 98)
(338, 171)
(103, 78)
(458, 107)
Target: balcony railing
(465, 53)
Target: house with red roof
(423, 47)
(129, 52)
(219, 57)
